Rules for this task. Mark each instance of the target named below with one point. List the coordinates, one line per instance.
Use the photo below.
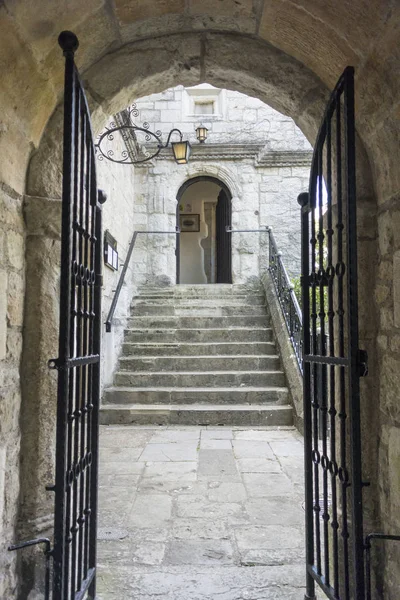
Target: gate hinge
(53, 363)
(50, 488)
(362, 363)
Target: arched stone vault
(288, 53)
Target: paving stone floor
(200, 513)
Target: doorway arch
(220, 247)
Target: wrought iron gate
(333, 479)
(78, 363)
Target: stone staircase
(198, 355)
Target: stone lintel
(256, 152)
(284, 158)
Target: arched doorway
(204, 248)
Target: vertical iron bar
(332, 387)
(323, 369)
(304, 201)
(93, 241)
(342, 387)
(76, 335)
(96, 387)
(353, 342)
(315, 376)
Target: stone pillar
(39, 384)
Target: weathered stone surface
(251, 449)
(15, 301)
(200, 525)
(217, 465)
(178, 451)
(199, 552)
(150, 510)
(3, 313)
(156, 472)
(128, 11)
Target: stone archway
(44, 181)
(234, 48)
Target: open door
(333, 362)
(224, 239)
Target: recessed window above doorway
(203, 99)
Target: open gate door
(224, 238)
(78, 363)
(333, 362)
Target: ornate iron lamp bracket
(134, 152)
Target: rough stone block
(129, 11)
(15, 249)
(3, 314)
(396, 288)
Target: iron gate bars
(78, 362)
(124, 270)
(333, 480)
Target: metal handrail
(287, 299)
(367, 547)
(284, 288)
(124, 270)
(47, 553)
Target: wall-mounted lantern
(201, 133)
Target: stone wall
(12, 291)
(120, 219)
(257, 152)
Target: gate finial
(68, 42)
(303, 199)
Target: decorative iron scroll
(287, 299)
(78, 362)
(136, 139)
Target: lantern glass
(201, 133)
(181, 152)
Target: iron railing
(287, 299)
(124, 270)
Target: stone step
(199, 379)
(247, 334)
(218, 289)
(196, 395)
(197, 348)
(184, 300)
(202, 322)
(200, 363)
(167, 310)
(189, 414)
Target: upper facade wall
(231, 118)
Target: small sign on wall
(189, 222)
(110, 251)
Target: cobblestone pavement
(200, 513)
